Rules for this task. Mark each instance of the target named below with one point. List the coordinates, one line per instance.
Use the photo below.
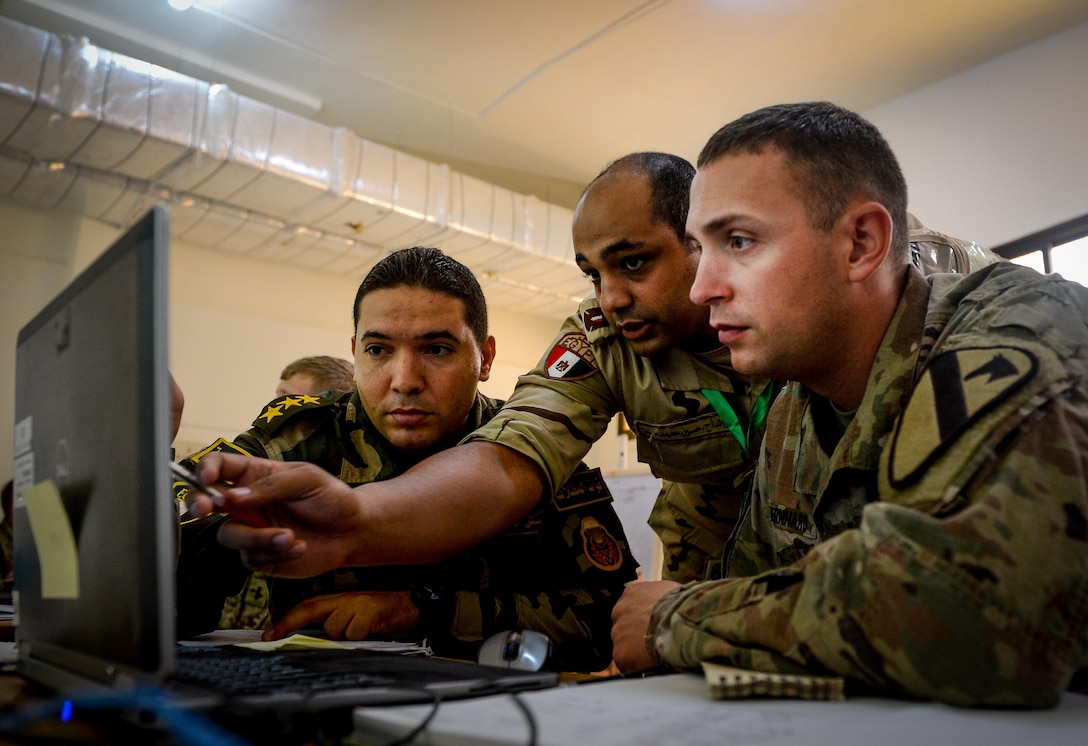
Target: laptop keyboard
(326, 678)
(238, 672)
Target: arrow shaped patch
(956, 389)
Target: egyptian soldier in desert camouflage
(640, 347)
(421, 347)
(919, 516)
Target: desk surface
(678, 709)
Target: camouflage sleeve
(554, 418)
(567, 591)
(986, 604)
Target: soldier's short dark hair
(430, 269)
(329, 373)
(835, 154)
(670, 184)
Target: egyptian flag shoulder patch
(955, 390)
(571, 358)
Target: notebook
(95, 521)
(729, 682)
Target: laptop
(96, 524)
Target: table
(677, 708)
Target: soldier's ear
(487, 357)
(869, 226)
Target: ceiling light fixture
(180, 4)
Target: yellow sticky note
(58, 557)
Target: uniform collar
(890, 382)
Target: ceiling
(528, 99)
(537, 95)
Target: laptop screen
(93, 561)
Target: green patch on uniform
(279, 411)
(957, 388)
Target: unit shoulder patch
(956, 389)
(278, 411)
(601, 548)
(571, 358)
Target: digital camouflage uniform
(560, 408)
(935, 542)
(559, 571)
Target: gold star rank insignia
(270, 413)
(307, 399)
(955, 390)
(291, 401)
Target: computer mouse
(524, 650)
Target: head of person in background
(312, 375)
(421, 347)
(629, 239)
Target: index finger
(234, 468)
(316, 609)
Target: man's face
(641, 271)
(417, 364)
(297, 385)
(775, 285)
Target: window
(1062, 249)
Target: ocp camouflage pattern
(934, 544)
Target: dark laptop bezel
(70, 397)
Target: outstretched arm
(295, 520)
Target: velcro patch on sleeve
(571, 359)
(956, 389)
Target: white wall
(1000, 151)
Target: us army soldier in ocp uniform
(919, 517)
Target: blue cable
(188, 726)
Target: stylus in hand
(196, 483)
